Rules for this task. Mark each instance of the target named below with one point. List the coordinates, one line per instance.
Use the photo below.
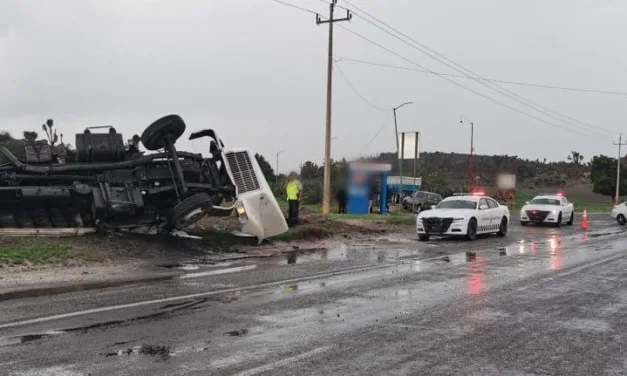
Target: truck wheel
(621, 220)
(190, 210)
(423, 238)
(471, 233)
(503, 228)
(171, 126)
(418, 209)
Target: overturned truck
(106, 185)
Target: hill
(451, 170)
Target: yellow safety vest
(293, 189)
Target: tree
(309, 171)
(30, 136)
(603, 176)
(575, 157)
(50, 132)
(266, 168)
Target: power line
(296, 7)
(520, 83)
(472, 90)
(453, 65)
(356, 91)
(374, 137)
(444, 76)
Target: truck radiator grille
(243, 173)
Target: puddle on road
(371, 252)
(18, 340)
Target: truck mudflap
(256, 206)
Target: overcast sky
(255, 71)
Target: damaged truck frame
(107, 185)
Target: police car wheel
(559, 221)
(471, 233)
(423, 238)
(572, 219)
(503, 228)
(621, 220)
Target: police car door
(483, 216)
(567, 209)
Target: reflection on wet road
(542, 301)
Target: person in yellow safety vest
(294, 190)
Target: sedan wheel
(503, 228)
(621, 220)
(471, 233)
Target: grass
(393, 219)
(37, 254)
(590, 202)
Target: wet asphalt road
(542, 301)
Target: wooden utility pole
(619, 144)
(326, 199)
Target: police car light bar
(477, 193)
(560, 194)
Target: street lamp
(472, 149)
(277, 160)
(398, 151)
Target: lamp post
(472, 149)
(277, 160)
(398, 153)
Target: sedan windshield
(457, 204)
(544, 201)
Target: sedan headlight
(459, 219)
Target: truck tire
(190, 210)
(171, 126)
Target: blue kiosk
(359, 177)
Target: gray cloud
(255, 71)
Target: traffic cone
(584, 220)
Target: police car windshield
(544, 201)
(457, 204)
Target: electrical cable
(472, 90)
(356, 91)
(453, 65)
(521, 83)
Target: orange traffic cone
(584, 220)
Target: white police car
(619, 213)
(548, 209)
(465, 215)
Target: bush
(312, 192)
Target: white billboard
(409, 146)
(506, 181)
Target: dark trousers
(292, 212)
(342, 207)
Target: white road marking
(189, 296)
(286, 361)
(217, 272)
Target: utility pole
(277, 161)
(619, 144)
(472, 149)
(326, 198)
(400, 155)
